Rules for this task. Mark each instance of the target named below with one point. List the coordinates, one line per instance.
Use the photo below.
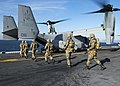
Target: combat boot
(26, 57)
(35, 60)
(102, 67)
(88, 67)
(69, 66)
(53, 61)
(22, 56)
(47, 62)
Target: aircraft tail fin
(10, 30)
(109, 25)
(27, 27)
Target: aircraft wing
(86, 32)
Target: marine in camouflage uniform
(49, 51)
(92, 52)
(26, 48)
(34, 46)
(69, 48)
(22, 48)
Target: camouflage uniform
(92, 52)
(22, 48)
(69, 48)
(34, 46)
(48, 51)
(26, 48)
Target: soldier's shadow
(115, 49)
(40, 59)
(102, 62)
(84, 60)
(105, 60)
(59, 61)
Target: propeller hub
(105, 7)
(108, 7)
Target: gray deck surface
(30, 73)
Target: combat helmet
(48, 40)
(33, 40)
(92, 35)
(69, 36)
(23, 41)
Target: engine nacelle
(109, 26)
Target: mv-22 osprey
(28, 29)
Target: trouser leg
(21, 53)
(99, 63)
(46, 57)
(33, 54)
(68, 55)
(25, 53)
(51, 58)
(88, 60)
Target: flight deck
(17, 71)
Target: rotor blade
(117, 35)
(101, 3)
(54, 22)
(116, 9)
(42, 23)
(98, 11)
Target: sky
(54, 10)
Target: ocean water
(104, 44)
(13, 45)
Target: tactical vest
(71, 44)
(95, 43)
(22, 45)
(34, 45)
(93, 51)
(49, 47)
(26, 46)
